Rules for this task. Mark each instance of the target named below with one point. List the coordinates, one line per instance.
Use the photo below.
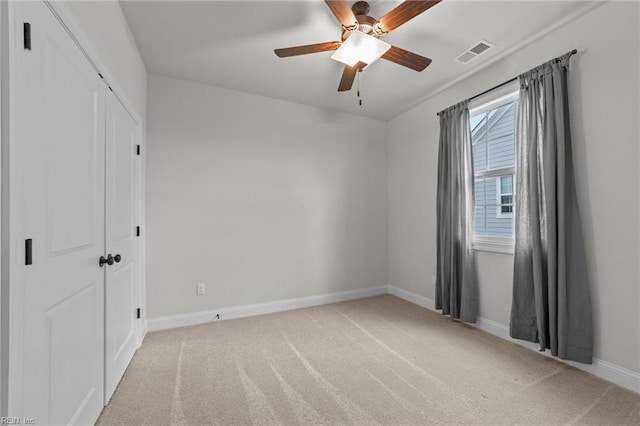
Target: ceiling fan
(360, 43)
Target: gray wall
(260, 199)
(298, 193)
(605, 108)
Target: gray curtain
(551, 302)
(456, 283)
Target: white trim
(494, 244)
(12, 288)
(409, 296)
(495, 98)
(509, 170)
(603, 369)
(142, 248)
(5, 264)
(193, 318)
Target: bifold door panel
(78, 174)
(120, 343)
(60, 113)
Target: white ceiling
(230, 44)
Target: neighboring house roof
(492, 118)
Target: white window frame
(499, 194)
(492, 100)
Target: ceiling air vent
(474, 51)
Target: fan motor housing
(366, 23)
(360, 8)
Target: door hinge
(137, 149)
(27, 35)
(137, 231)
(28, 255)
(138, 313)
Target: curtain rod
(573, 52)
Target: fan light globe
(360, 47)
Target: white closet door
(121, 288)
(60, 128)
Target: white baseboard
(603, 369)
(193, 318)
(143, 331)
(409, 296)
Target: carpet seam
(591, 406)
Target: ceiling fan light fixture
(365, 28)
(360, 47)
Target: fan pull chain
(359, 99)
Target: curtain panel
(551, 301)
(456, 282)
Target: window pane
(506, 183)
(493, 139)
(491, 191)
(478, 225)
(479, 156)
(499, 225)
(493, 211)
(480, 201)
(479, 142)
(480, 197)
(475, 120)
(500, 136)
(485, 206)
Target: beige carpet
(379, 360)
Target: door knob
(117, 258)
(108, 260)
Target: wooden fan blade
(342, 12)
(406, 58)
(349, 75)
(306, 49)
(404, 12)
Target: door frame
(11, 201)
(6, 74)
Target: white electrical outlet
(201, 289)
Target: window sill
(496, 245)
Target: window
(493, 137)
(504, 191)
